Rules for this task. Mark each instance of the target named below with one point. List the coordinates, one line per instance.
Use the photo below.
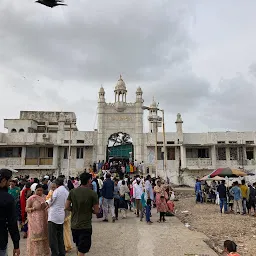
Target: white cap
(138, 179)
(33, 187)
(46, 177)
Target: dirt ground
(207, 219)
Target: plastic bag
(172, 197)
(127, 197)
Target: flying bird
(50, 3)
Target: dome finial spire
(153, 104)
(121, 77)
(101, 91)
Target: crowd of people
(237, 198)
(52, 210)
(119, 166)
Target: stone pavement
(132, 237)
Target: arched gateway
(120, 116)
(120, 147)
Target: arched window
(21, 130)
(13, 130)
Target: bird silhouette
(50, 3)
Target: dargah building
(39, 143)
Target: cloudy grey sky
(196, 57)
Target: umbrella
(207, 177)
(227, 172)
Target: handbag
(100, 213)
(127, 197)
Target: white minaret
(179, 129)
(153, 114)
(100, 126)
(139, 95)
(139, 126)
(101, 95)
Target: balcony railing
(250, 162)
(200, 162)
(45, 161)
(221, 163)
(245, 162)
(38, 161)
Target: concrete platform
(132, 237)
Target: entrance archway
(120, 147)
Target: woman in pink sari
(160, 190)
(37, 243)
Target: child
(170, 203)
(230, 248)
(146, 207)
(143, 204)
(162, 209)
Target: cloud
(252, 69)
(97, 41)
(232, 104)
(56, 59)
(181, 91)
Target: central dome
(120, 85)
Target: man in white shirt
(56, 216)
(149, 188)
(120, 182)
(133, 184)
(137, 193)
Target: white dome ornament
(120, 95)
(120, 85)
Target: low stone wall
(183, 177)
(35, 173)
(189, 176)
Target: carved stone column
(55, 157)
(23, 156)
(183, 157)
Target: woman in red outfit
(25, 194)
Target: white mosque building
(39, 143)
